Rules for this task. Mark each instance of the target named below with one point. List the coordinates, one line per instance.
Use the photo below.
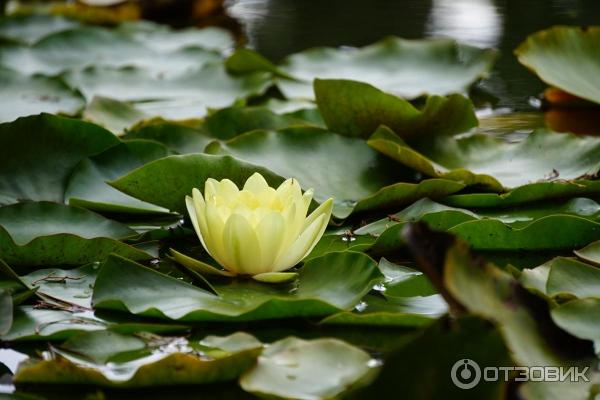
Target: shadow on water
(277, 28)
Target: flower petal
(241, 246)
(198, 266)
(215, 225)
(256, 183)
(303, 245)
(276, 277)
(324, 209)
(270, 233)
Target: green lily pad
(414, 311)
(326, 285)
(40, 141)
(573, 278)
(565, 57)
(177, 138)
(161, 38)
(87, 186)
(112, 114)
(180, 96)
(6, 311)
(562, 225)
(580, 318)
(401, 281)
(26, 95)
(86, 46)
(357, 109)
(29, 28)
(167, 181)
(71, 287)
(341, 167)
(590, 253)
(230, 122)
(526, 194)
(177, 362)
(495, 164)
(318, 369)
(408, 68)
(46, 233)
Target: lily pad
(167, 181)
(526, 194)
(326, 285)
(357, 109)
(27, 95)
(31, 28)
(308, 370)
(54, 234)
(580, 318)
(230, 122)
(112, 114)
(87, 185)
(349, 173)
(590, 253)
(495, 164)
(407, 68)
(565, 57)
(40, 141)
(177, 138)
(573, 278)
(6, 311)
(86, 46)
(179, 96)
(177, 362)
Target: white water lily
(258, 229)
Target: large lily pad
(84, 359)
(590, 253)
(53, 234)
(565, 57)
(87, 185)
(498, 165)
(26, 95)
(328, 284)
(408, 68)
(309, 370)
(167, 181)
(40, 141)
(340, 167)
(31, 28)
(179, 96)
(112, 114)
(178, 138)
(357, 109)
(85, 46)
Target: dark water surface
(277, 28)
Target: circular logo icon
(465, 374)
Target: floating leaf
(350, 173)
(167, 181)
(86, 46)
(45, 233)
(6, 311)
(178, 138)
(40, 141)
(177, 362)
(31, 28)
(573, 278)
(26, 95)
(565, 57)
(408, 68)
(318, 369)
(327, 284)
(357, 109)
(590, 253)
(179, 96)
(498, 165)
(87, 185)
(114, 115)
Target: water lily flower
(258, 230)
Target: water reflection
(476, 22)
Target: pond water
(277, 28)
